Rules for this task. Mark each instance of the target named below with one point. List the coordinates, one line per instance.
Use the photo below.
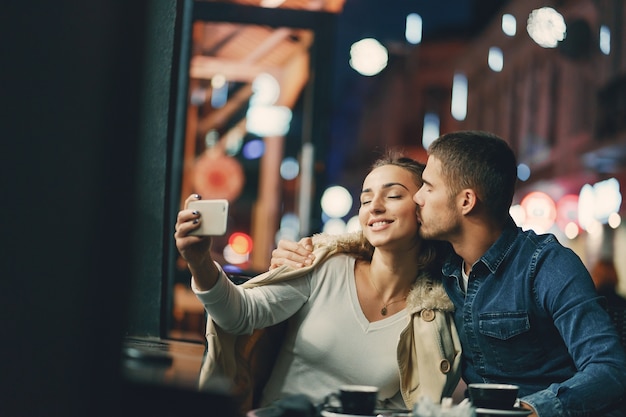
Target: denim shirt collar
(492, 258)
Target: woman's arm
(240, 310)
(195, 249)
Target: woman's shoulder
(339, 262)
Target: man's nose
(417, 197)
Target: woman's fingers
(193, 249)
(186, 221)
(192, 197)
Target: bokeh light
(431, 129)
(458, 108)
(495, 59)
(289, 228)
(517, 214)
(289, 168)
(265, 90)
(509, 24)
(523, 172)
(571, 230)
(233, 257)
(336, 201)
(241, 243)
(334, 227)
(614, 220)
(368, 57)
(540, 211)
(413, 32)
(253, 149)
(353, 224)
(546, 27)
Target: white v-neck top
(329, 341)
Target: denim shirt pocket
(510, 346)
(503, 325)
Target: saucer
(377, 413)
(517, 412)
(328, 413)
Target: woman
(367, 311)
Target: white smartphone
(214, 217)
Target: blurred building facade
(562, 109)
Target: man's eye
(365, 202)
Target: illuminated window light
(509, 24)
(459, 97)
(430, 131)
(605, 40)
(413, 32)
(495, 59)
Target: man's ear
(467, 200)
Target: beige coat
(428, 351)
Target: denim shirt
(531, 317)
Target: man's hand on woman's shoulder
(294, 254)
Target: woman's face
(388, 214)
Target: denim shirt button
(444, 366)
(428, 315)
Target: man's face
(436, 211)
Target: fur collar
(427, 291)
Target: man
(526, 308)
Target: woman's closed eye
(393, 197)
